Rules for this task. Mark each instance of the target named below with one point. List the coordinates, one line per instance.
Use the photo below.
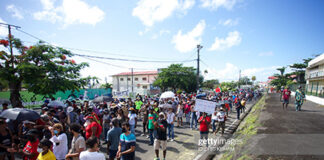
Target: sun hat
(69, 109)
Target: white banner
(205, 106)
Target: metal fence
(314, 89)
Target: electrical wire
(118, 59)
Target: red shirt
(31, 147)
(286, 94)
(89, 131)
(204, 124)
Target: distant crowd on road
(78, 130)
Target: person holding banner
(204, 121)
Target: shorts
(285, 101)
(112, 154)
(157, 144)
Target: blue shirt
(113, 136)
(126, 143)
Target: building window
(121, 79)
(144, 87)
(136, 79)
(144, 78)
(128, 79)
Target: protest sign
(205, 106)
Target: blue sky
(256, 36)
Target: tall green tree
(43, 69)
(210, 84)
(106, 85)
(299, 69)
(176, 76)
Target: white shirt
(86, 155)
(170, 117)
(221, 116)
(61, 149)
(131, 118)
(214, 117)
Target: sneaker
(147, 136)
(156, 158)
(168, 139)
(142, 134)
(172, 140)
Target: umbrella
(167, 94)
(165, 105)
(56, 104)
(20, 114)
(201, 95)
(102, 99)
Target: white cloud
(161, 33)
(15, 12)
(229, 22)
(233, 39)
(231, 73)
(187, 42)
(266, 54)
(3, 30)
(151, 11)
(70, 12)
(215, 4)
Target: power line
(118, 66)
(119, 59)
(131, 60)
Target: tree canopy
(42, 68)
(176, 77)
(210, 84)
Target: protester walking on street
(299, 98)
(204, 121)
(46, 153)
(179, 114)
(221, 117)
(193, 116)
(113, 137)
(160, 139)
(170, 120)
(60, 141)
(78, 143)
(214, 120)
(150, 126)
(126, 149)
(132, 119)
(92, 153)
(285, 97)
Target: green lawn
(26, 96)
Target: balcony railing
(315, 74)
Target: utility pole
(199, 47)
(239, 79)
(10, 40)
(132, 81)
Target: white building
(139, 82)
(315, 76)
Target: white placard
(205, 106)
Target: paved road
(287, 134)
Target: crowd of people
(79, 130)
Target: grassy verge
(25, 95)
(247, 129)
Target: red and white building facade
(139, 82)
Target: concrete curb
(208, 155)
